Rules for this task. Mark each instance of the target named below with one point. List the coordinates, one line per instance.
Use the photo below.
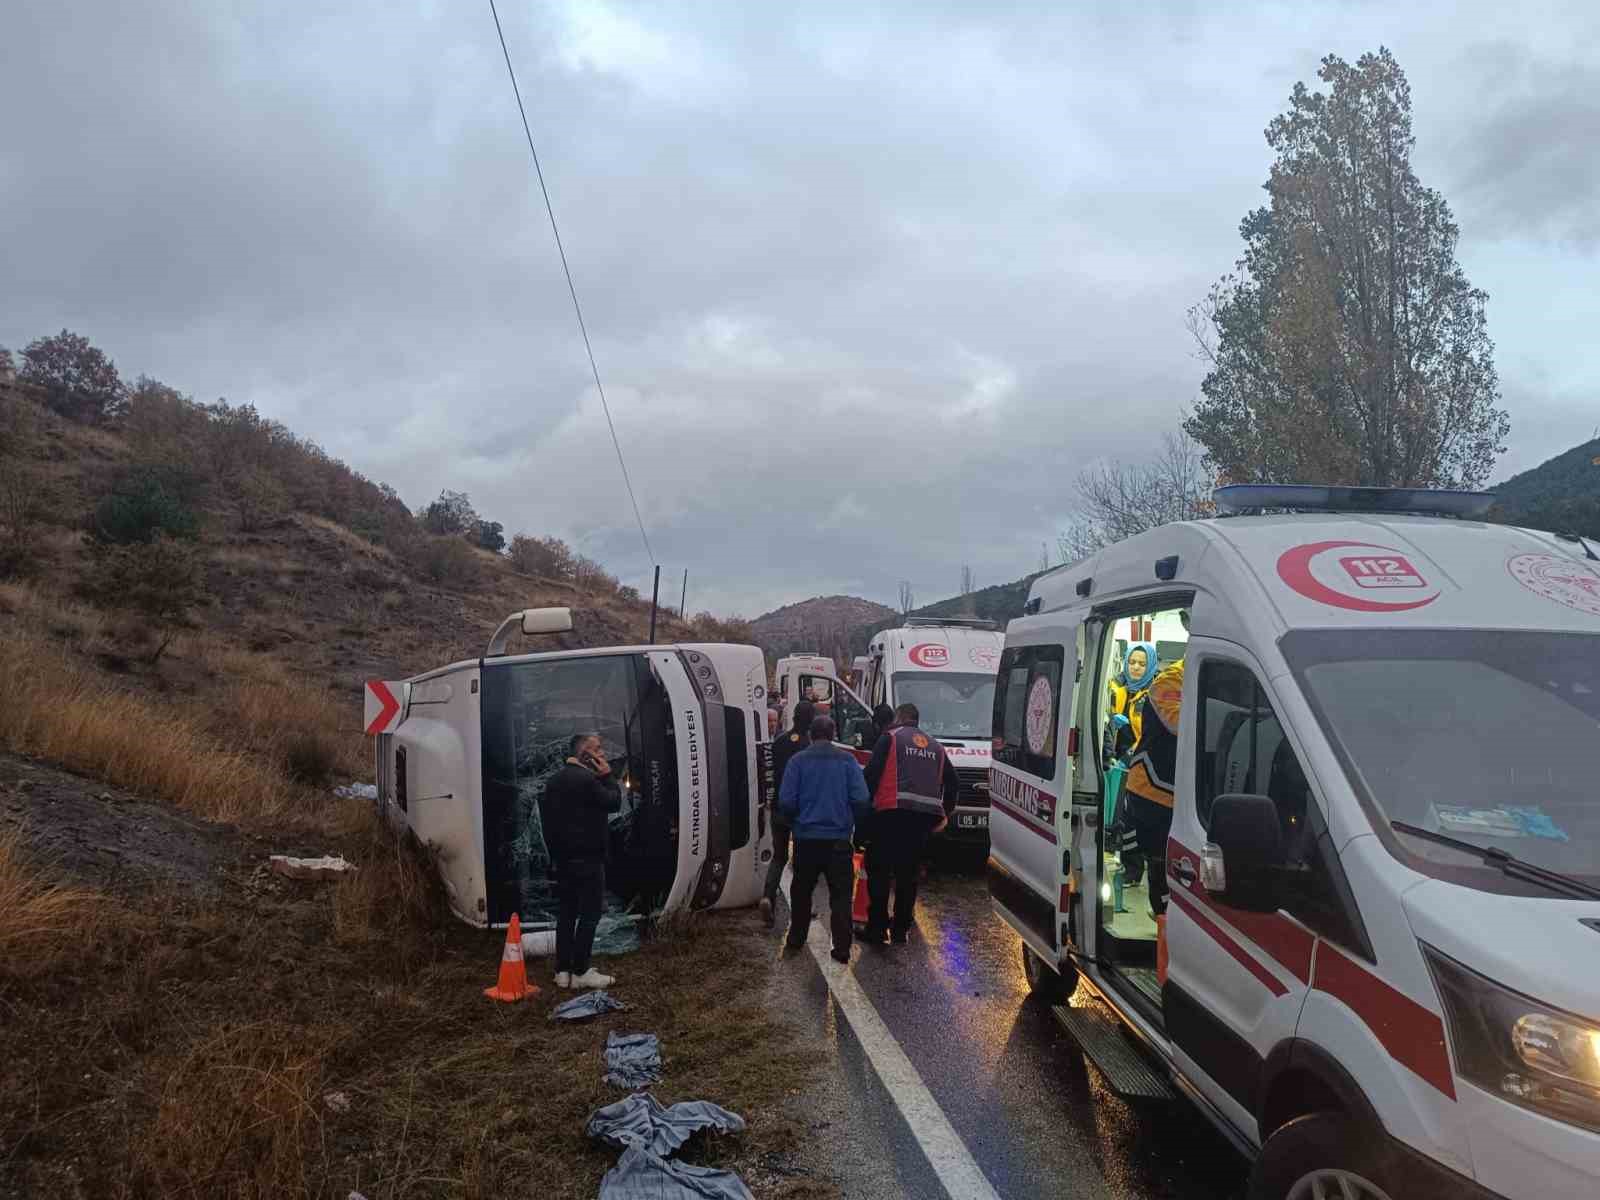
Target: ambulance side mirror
(1246, 834)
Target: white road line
(947, 1154)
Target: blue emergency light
(1257, 497)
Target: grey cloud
(867, 286)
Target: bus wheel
(1322, 1154)
(1045, 982)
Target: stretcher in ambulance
(1377, 965)
(946, 667)
(464, 753)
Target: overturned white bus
(464, 760)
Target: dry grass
(59, 710)
(36, 916)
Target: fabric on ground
(357, 791)
(633, 1060)
(640, 1120)
(641, 1175)
(590, 1004)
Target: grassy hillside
(190, 598)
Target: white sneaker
(591, 979)
(563, 979)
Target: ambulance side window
(1027, 706)
(816, 689)
(1242, 748)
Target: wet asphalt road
(1035, 1116)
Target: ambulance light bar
(1252, 497)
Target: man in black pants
(785, 748)
(914, 790)
(822, 797)
(574, 810)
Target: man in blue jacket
(822, 797)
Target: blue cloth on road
(633, 1060)
(824, 793)
(640, 1120)
(641, 1175)
(590, 1004)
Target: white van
(1383, 928)
(684, 727)
(946, 667)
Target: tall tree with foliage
(79, 381)
(1348, 346)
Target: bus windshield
(1484, 736)
(953, 705)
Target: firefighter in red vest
(913, 786)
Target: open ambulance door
(1031, 780)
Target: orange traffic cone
(860, 904)
(513, 983)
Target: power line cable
(573, 291)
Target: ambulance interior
(1127, 923)
(1239, 748)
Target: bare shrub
(445, 560)
(160, 580)
(548, 557)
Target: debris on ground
(641, 1175)
(338, 1102)
(640, 1120)
(633, 1060)
(357, 791)
(590, 1004)
(330, 867)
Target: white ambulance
(1382, 932)
(464, 751)
(946, 667)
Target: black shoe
(790, 949)
(899, 937)
(875, 937)
(840, 956)
(768, 913)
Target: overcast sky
(868, 285)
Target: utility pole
(683, 597)
(655, 595)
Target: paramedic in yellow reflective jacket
(1152, 772)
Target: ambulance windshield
(1487, 736)
(952, 704)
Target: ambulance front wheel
(1323, 1154)
(1046, 983)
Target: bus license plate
(972, 820)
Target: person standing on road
(914, 790)
(774, 722)
(822, 797)
(574, 810)
(784, 749)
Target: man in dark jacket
(785, 748)
(914, 790)
(822, 798)
(574, 810)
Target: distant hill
(1561, 495)
(824, 624)
(999, 603)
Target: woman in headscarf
(1128, 691)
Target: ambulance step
(1099, 1033)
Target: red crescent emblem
(1294, 568)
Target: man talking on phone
(574, 809)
